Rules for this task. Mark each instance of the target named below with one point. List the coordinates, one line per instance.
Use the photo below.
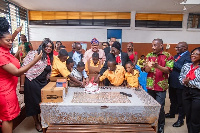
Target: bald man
(158, 66)
(70, 54)
(175, 88)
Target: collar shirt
(59, 67)
(88, 55)
(156, 79)
(116, 77)
(76, 74)
(77, 57)
(37, 69)
(195, 83)
(132, 79)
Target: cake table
(113, 105)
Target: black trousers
(173, 100)
(181, 112)
(191, 104)
(159, 96)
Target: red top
(55, 53)
(131, 57)
(9, 106)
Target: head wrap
(117, 45)
(94, 40)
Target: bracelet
(22, 85)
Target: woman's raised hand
(19, 29)
(38, 56)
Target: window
(150, 20)
(193, 20)
(111, 19)
(16, 16)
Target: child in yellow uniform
(114, 73)
(93, 66)
(59, 68)
(131, 76)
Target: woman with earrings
(9, 72)
(190, 78)
(36, 78)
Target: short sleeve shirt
(7, 80)
(59, 67)
(156, 79)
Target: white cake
(92, 88)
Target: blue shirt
(77, 58)
(183, 53)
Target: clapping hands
(152, 63)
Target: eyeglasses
(196, 54)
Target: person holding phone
(10, 70)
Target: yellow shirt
(132, 79)
(92, 65)
(59, 67)
(140, 62)
(116, 77)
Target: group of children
(79, 74)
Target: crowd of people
(108, 66)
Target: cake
(92, 88)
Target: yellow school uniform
(132, 79)
(91, 64)
(59, 67)
(116, 77)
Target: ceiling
(148, 6)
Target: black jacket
(174, 75)
(107, 50)
(70, 54)
(124, 59)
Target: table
(108, 107)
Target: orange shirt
(92, 65)
(116, 77)
(132, 79)
(59, 67)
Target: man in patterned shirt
(158, 66)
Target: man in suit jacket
(116, 54)
(108, 49)
(70, 54)
(175, 88)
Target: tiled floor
(27, 126)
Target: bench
(111, 128)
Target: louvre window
(111, 19)
(16, 16)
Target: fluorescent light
(190, 2)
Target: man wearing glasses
(175, 88)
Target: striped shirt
(35, 70)
(195, 83)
